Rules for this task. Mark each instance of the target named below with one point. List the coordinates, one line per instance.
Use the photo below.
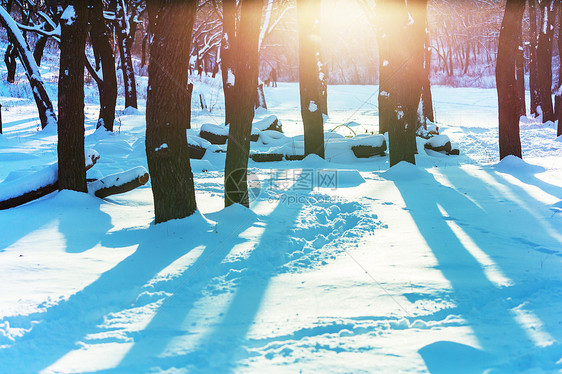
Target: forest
(255, 186)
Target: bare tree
(168, 111)
(544, 58)
(44, 105)
(508, 101)
(311, 77)
(242, 78)
(72, 171)
(103, 52)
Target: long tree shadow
(62, 326)
(255, 273)
(433, 207)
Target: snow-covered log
(119, 182)
(269, 123)
(44, 105)
(215, 134)
(31, 187)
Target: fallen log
(119, 183)
(34, 186)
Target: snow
(161, 147)
(117, 179)
(312, 107)
(69, 15)
(340, 265)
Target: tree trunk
(427, 98)
(39, 48)
(402, 74)
(227, 61)
(533, 69)
(125, 53)
(417, 9)
(311, 77)
(508, 101)
(11, 65)
(520, 76)
(100, 38)
(44, 105)
(73, 23)
(244, 52)
(168, 111)
(385, 73)
(544, 59)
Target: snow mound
(438, 141)
(557, 207)
(349, 178)
(513, 164)
(313, 161)
(558, 139)
(233, 215)
(403, 171)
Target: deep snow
(343, 265)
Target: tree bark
(125, 53)
(311, 77)
(44, 105)
(73, 23)
(508, 101)
(533, 69)
(227, 59)
(401, 73)
(244, 53)
(544, 59)
(520, 76)
(427, 98)
(168, 111)
(100, 38)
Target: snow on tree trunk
(168, 111)
(244, 53)
(311, 76)
(100, 39)
(122, 31)
(508, 101)
(72, 173)
(544, 59)
(44, 105)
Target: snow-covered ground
(450, 266)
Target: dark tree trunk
(385, 71)
(420, 62)
(558, 96)
(244, 53)
(168, 111)
(402, 74)
(427, 99)
(508, 100)
(227, 60)
(520, 75)
(533, 69)
(311, 77)
(39, 48)
(10, 60)
(544, 59)
(100, 38)
(260, 101)
(44, 105)
(72, 171)
(126, 57)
